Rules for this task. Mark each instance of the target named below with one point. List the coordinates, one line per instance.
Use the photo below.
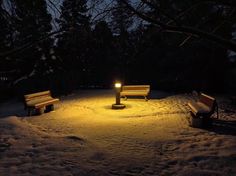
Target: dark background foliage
(88, 55)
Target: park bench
(202, 109)
(135, 90)
(39, 102)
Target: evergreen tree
(121, 19)
(5, 35)
(102, 53)
(121, 23)
(32, 22)
(74, 44)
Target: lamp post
(118, 105)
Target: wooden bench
(203, 108)
(40, 102)
(135, 90)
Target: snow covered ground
(84, 137)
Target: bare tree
(168, 23)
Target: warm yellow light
(117, 85)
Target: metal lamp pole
(118, 105)
(118, 89)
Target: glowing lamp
(118, 105)
(117, 85)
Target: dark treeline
(85, 54)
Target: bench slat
(46, 103)
(136, 87)
(38, 100)
(38, 94)
(144, 93)
(206, 99)
(199, 108)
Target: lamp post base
(118, 106)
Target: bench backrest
(136, 87)
(29, 97)
(208, 100)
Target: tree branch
(30, 44)
(184, 29)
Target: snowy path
(84, 136)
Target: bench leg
(125, 97)
(39, 111)
(200, 121)
(29, 111)
(207, 122)
(146, 98)
(49, 108)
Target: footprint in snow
(75, 138)
(4, 146)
